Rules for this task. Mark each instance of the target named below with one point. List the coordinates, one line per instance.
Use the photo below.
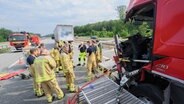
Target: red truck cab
(162, 79)
(18, 40)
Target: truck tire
(148, 93)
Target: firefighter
(98, 46)
(91, 61)
(57, 44)
(44, 73)
(99, 51)
(71, 53)
(30, 60)
(55, 55)
(68, 68)
(60, 44)
(82, 55)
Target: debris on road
(6, 76)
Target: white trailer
(64, 33)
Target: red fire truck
(19, 40)
(23, 39)
(35, 40)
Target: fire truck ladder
(105, 91)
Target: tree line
(112, 27)
(4, 33)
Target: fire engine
(23, 39)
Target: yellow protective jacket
(44, 68)
(55, 54)
(66, 63)
(31, 70)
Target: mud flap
(177, 93)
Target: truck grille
(19, 44)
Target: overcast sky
(41, 16)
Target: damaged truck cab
(162, 79)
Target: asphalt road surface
(18, 91)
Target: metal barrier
(103, 91)
(4, 46)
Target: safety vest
(44, 68)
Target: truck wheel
(148, 93)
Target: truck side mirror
(52, 37)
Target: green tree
(4, 33)
(144, 29)
(121, 11)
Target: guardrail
(4, 46)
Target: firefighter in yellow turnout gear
(59, 44)
(30, 60)
(98, 52)
(68, 68)
(44, 73)
(70, 51)
(91, 61)
(56, 56)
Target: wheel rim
(146, 100)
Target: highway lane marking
(106, 58)
(110, 50)
(15, 62)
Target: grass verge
(4, 50)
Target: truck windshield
(17, 38)
(141, 21)
(139, 33)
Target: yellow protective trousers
(82, 57)
(70, 77)
(68, 70)
(36, 86)
(91, 66)
(58, 65)
(98, 55)
(52, 86)
(71, 57)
